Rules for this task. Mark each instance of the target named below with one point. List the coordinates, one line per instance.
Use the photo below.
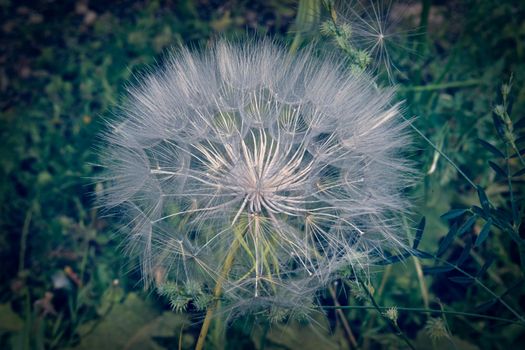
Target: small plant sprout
(256, 177)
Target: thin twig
(342, 316)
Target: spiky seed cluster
(255, 175)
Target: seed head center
(256, 194)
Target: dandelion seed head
(264, 173)
(379, 28)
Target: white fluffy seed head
(381, 28)
(265, 173)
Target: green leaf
(497, 169)
(498, 124)
(519, 173)
(467, 225)
(491, 148)
(514, 286)
(394, 259)
(461, 279)
(9, 320)
(522, 152)
(478, 211)
(454, 213)
(445, 242)
(485, 266)
(520, 139)
(464, 254)
(483, 234)
(130, 325)
(483, 199)
(111, 296)
(486, 305)
(422, 255)
(419, 232)
(437, 269)
(313, 334)
(519, 124)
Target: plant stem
(393, 325)
(342, 316)
(419, 270)
(23, 238)
(228, 262)
(425, 310)
(305, 20)
(422, 283)
(441, 86)
(370, 322)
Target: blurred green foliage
(64, 282)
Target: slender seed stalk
(228, 262)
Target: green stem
(393, 325)
(449, 85)
(307, 16)
(369, 323)
(228, 262)
(23, 238)
(419, 270)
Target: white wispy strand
(292, 157)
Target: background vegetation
(64, 282)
